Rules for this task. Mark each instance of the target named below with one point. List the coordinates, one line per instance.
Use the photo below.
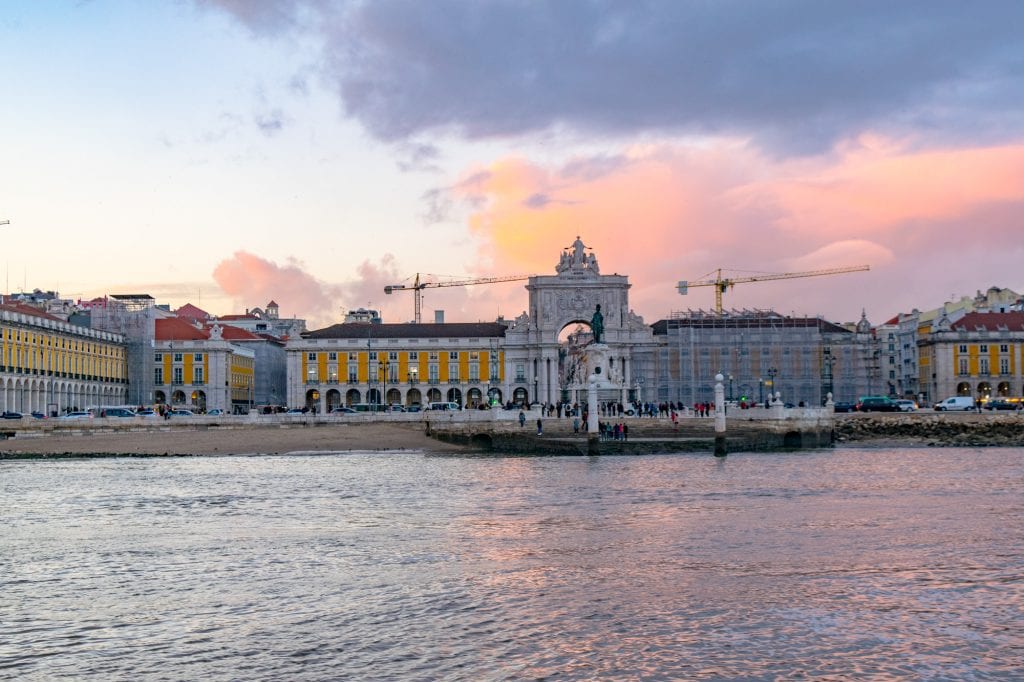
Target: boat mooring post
(720, 450)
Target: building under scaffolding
(134, 316)
(760, 352)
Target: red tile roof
(990, 321)
(236, 334)
(18, 307)
(190, 312)
(178, 329)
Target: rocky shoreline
(931, 429)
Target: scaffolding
(133, 316)
(758, 352)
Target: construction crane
(418, 286)
(721, 284)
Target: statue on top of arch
(576, 258)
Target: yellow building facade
(980, 355)
(50, 366)
(397, 364)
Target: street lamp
(536, 398)
(772, 373)
(760, 391)
(828, 361)
(730, 388)
(383, 371)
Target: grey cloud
(417, 156)
(792, 75)
(270, 122)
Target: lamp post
(382, 370)
(828, 362)
(730, 388)
(760, 391)
(772, 373)
(536, 398)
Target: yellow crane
(419, 285)
(721, 284)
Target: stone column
(720, 450)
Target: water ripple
(829, 566)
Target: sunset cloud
(251, 280)
(666, 213)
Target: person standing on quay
(540, 430)
(522, 419)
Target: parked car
(845, 407)
(396, 408)
(215, 412)
(296, 410)
(1001, 405)
(117, 412)
(873, 403)
(81, 414)
(957, 402)
(12, 415)
(38, 415)
(147, 413)
(343, 410)
(907, 405)
(182, 413)
(415, 407)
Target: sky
(229, 152)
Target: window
(414, 374)
(983, 348)
(433, 355)
(453, 372)
(1004, 348)
(332, 372)
(373, 355)
(333, 355)
(963, 349)
(434, 375)
(474, 371)
(198, 375)
(983, 366)
(474, 355)
(353, 372)
(963, 366)
(179, 375)
(1004, 365)
(158, 376)
(311, 357)
(453, 355)
(311, 374)
(177, 357)
(198, 357)
(520, 372)
(393, 355)
(414, 356)
(159, 357)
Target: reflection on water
(840, 564)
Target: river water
(838, 564)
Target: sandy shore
(234, 441)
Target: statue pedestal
(598, 363)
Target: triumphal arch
(545, 365)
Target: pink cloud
(254, 281)
(661, 214)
